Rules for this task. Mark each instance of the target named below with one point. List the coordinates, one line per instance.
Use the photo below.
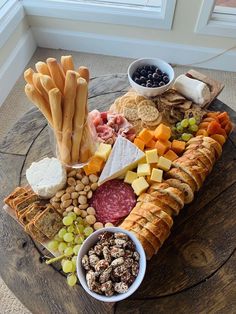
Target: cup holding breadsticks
(61, 94)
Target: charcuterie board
(194, 229)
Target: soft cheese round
(46, 177)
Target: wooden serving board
(194, 271)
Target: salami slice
(113, 201)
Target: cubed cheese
(145, 135)
(130, 177)
(143, 170)
(178, 146)
(171, 155)
(103, 151)
(139, 185)
(156, 175)
(151, 156)
(162, 132)
(95, 164)
(164, 163)
(139, 143)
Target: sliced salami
(113, 201)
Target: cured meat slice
(113, 201)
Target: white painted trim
(218, 24)
(93, 12)
(10, 16)
(131, 48)
(15, 64)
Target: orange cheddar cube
(162, 132)
(151, 144)
(145, 135)
(171, 155)
(95, 164)
(87, 171)
(139, 143)
(178, 146)
(161, 147)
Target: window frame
(215, 23)
(148, 18)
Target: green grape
(57, 238)
(88, 231)
(68, 237)
(67, 266)
(53, 245)
(186, 137)
(71, 228)
(72, 214)
(193, 128)
(68, 251)
(184, 123)
(73, 267)
(179, 128)
(61, 247)
(178, 124)
(80, 220)
(62, 232)
(79, 239)
(62, 261)
(74, 259)
(76, 249)
(192, 121)
(79, 228)
(71, 280)
(68, 220)
(173, 129)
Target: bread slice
(156, 225)
(165, 188)
(149, 251)
(200, 157)
(215, 144)
(148, 198)
(184, 187)
(192, 171)
(199, 170)
(167, 199)
(48, 222)
(155, 210)
(179, 174)
(206, 146)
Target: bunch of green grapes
(185, 129)
(68, 241)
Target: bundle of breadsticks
(61, 93)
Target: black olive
(148, 85)
(137, 80)
(136, 74)
(144, 73)
(161, 83)
(143, 79)
(150, 76)
(165, 79)
(158, 71)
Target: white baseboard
(15, 63)
(132, 48)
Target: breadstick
(39, 87)
(84, 72)
(68, 114)
(67, 63)
(47, 82)
(79, 117)
(55, 73)
(36, 98)
(56, 109)
(42, 68)
(28, 76)
(76, 73)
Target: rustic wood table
(195, 270)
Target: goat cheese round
(46, 177)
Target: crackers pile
(138, 110)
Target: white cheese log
(193, 89)
(46, 177)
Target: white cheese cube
(143, 170)
(103, 151)
(139, 185)
(151, 156)
(164, 163)
(130, 177)
(156, 175)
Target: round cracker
(146, 102)
(131, 114)
(147, 113)
(155, 122)
(139, 98)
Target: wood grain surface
(194, 272)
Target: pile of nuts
(112, 264)
(76, 195)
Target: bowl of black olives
(150, 77)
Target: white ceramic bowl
(151, 91)
(88, 243)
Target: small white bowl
(88, 243)
(151, 91)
